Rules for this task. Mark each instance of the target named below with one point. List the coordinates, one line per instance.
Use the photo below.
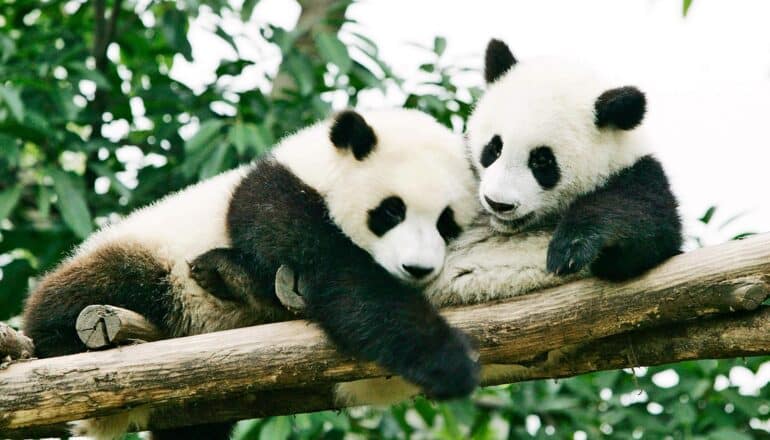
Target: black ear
(350, 130)
(621, 108)
(498, 59)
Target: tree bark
(531, 330)
(316, 16)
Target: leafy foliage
(92, 125)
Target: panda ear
(350, 130)
(498, 59)
(622, 108)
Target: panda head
(545, 132)
(396, 182)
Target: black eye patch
(491, 151)
(390, 212)
(543, 164)
(447, 226)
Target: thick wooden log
(295, 354)
(14, 345)
(101, 326)
(726, 336)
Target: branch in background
(316, 16)
(224, 365)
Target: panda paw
(569, 254)
(208, 278)
(452, 371)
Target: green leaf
(276, 428)
(12, 99)
(706, 218)
(686, 7)
(203, 136)
(301, 69)
(248, 9)
(727, 433)
(439, 45)
(237, 137)
(72, 203)
(8, 200)
(175, 30)
(216, 163)
(227, 38)
(332, 50)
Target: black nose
(417, 271)
(499, 207)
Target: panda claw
(568, 255)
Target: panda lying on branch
(362, 205)
(567, 186)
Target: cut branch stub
(101, 326)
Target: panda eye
(491, 151)
(390, 212)
(447, 226)
(543, 164)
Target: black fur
(350, 130)
(122, 276)
(544, 167)
(621, 108)
(275, 219)
(622, 229)
(498, 59)
(491, 151)
(227, 274)
(447, 226)
(386, 216)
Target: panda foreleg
(380, 320)
(622, 229)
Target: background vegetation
(92, 126)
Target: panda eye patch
(390, 212)
(542, 163)
(447, 226)
(491, 151)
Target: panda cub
(362, 204)
(567, 182)
(568, 189)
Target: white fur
(415, 158)
(547, 102)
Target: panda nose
(499, 207)
(417, 271)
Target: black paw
(208, 278)
(569, 254)
(452, 371)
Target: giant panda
(362, 204)
(568, 187)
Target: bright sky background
(707, 76)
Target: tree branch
(316, 16)
(249, 367)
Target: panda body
(569, 189)
(360, 199)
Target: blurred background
(107, 105)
